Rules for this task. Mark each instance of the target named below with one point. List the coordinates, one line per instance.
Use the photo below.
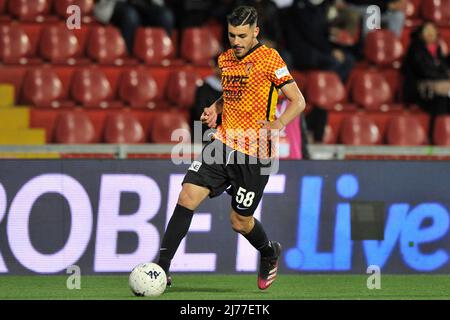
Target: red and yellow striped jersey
(250, 93)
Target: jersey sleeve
(277, 71)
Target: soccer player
(252, 74)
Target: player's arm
(209, 115)
(296, 106)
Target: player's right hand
(209, 117)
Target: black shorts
(242, 176)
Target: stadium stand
(55, 71)
(406, 130)
(123, 127)
(358, 129)
(74, 127)
(154, 47)
(199, 46)
(138, 88)
(106, 46)
(441, 134)
(383, 48)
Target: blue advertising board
(106, 216)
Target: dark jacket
(420, 65)
(309, 35)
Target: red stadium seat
(165, 124)
(382, 47)
(86, 8)
(371, 91)
(26, 10)
(74, 127)
(325, 90)
(123, 127)
(330, 136)
(412, 9)
(445, 40)
(42, 87)
(358, 129)
(441, 134)
(106, 46)
(199, 46)
(437, 11)
(59, 45)
(137, 88)
(91, 88)
(406, 130)
(15, 45)
(181, 88)
(153, 46)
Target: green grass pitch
(232, 287)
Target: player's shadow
(190, 289)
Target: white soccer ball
(147, 279)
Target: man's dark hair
(242, 16)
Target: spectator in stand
(210, 91)
(129, 15)
(308, 39)
(427, 73)
(392, 13)
(192, 13)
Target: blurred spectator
(308, 39)
(192, 13)
(129, 15)
(427, 73)
(392, 13)
(293, 138)
(210, 91)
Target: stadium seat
(198, 46)
(330, 136)
(437, 11)
(74, 127)
(441, 134)
(123, 127)
(86, 8)
(15, 45)
(371, 91)
(412, 9)
(325, 90)
(445, 40)
(137, 88)
(406, 130)
(59, 45)
(153, 46)
(165, 124)
(26, 10)
(358, 129)
(181, 88)
(106, 46)
(383, 48)
(91, 88)
(42, 87)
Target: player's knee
(187, 200)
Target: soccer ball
(147, 279)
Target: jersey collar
(259, 44)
